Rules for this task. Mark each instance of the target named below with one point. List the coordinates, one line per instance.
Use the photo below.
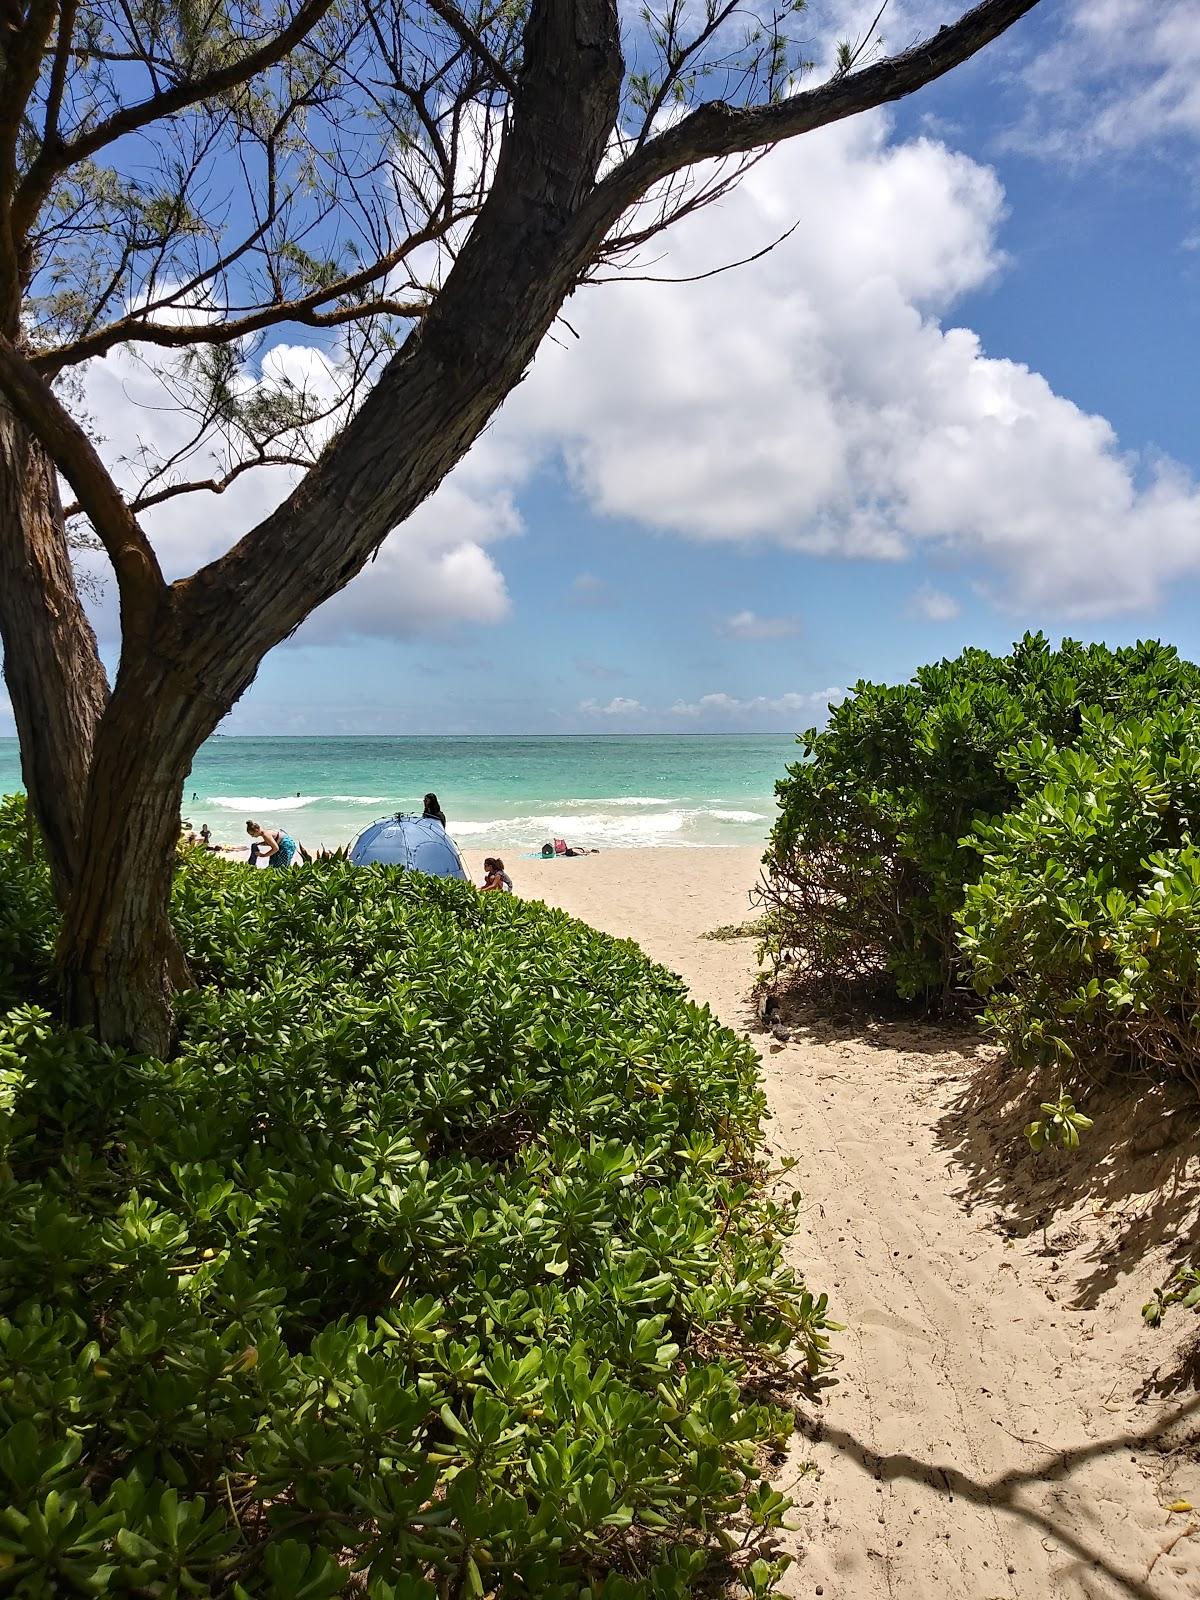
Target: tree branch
(56, 158)
(718, 129)
(177, 336)
(139, 577)
(677, 60)
(304, 309)
(156, 497)
(21, 65)
(58, 72)
(457, 23)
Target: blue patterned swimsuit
(286, 853)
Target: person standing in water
(433, 809)
(278, 846)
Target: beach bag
(560, 847)
(547, 850)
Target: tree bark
(51, 664)
(118, 956)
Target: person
(205, 835)
(495, 877)
(433, 809)
(278, 846)
(560, 847)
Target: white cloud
(749, 625)
(729, 708)
(619, 706)
(935, 605)
(1120, 74)
(817, 400)
(430, 574)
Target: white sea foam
(250, 803)
(735, 816)
(588, 828)
(622, 800)
(291, 802)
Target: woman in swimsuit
(279, 847)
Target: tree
(180, 178)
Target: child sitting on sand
(495, 877)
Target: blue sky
(724, 502)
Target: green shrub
(435, 1263)
(866, 869)
(27, 915)
(1083, 930)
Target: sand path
(987, 1433)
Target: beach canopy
(419, 843)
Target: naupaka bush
(867, 866)
(434, 1263)
(1082, 931)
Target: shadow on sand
(1138, 1169)
(1002, 1493)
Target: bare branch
(699, 277)
(182, 335)
(719, 129)
(454, 19)
(215, 485)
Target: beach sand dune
(990, 1430)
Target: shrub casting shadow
(1140, 1162)
(867, 1017)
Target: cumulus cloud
(935, 605)
(749, 625)
(729, 708)
(433, 572)
(619, 706)
(822, 400)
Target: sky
(959, 401)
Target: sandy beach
(1000, 1424)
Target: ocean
(604, 791)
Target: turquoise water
(691, 790)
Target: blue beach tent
(419, 843)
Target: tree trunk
(196, 651)
(118, 955)
(51, 665)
